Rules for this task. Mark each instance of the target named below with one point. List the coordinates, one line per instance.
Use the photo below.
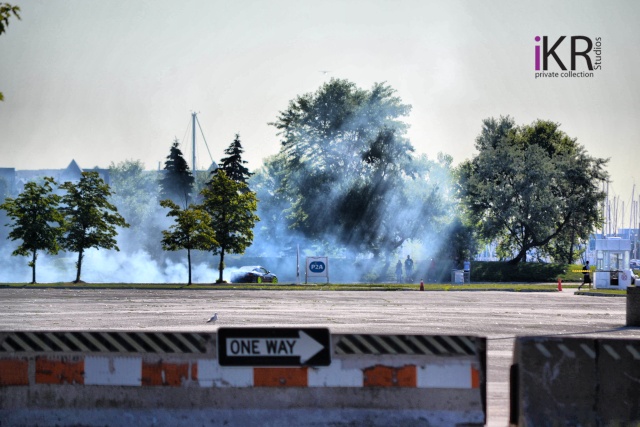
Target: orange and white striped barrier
(438, 378)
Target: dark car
(253, 274)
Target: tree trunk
(573, 237)
(521, 255)
(79, 265)
(189, 264)
(33, 267)
(385, 268)
(221, 265)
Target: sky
(112, 80)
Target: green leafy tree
(6, 11)
(136, 195)
(232, 209)
(529, 186)
(277, 238)
(4, 193)
(91, 218)
(461, 243)
(347, 165)
(191, 231)
(233, 165)
(37, 221)
(177, 181)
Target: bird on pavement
(213, 318)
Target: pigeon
(213, 318)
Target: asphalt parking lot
(499, 316)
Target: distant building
(16, 179)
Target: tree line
(347, 180)
(219, 219)
(346, 176)
(80, 219)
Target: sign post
(317, 267)
(274, 347)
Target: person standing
(399, 271)
(408, 268)
(586, 278)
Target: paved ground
(499, 316)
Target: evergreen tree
(177, 182)
(233, 165)
(35, 215)
(91, 219)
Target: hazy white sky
(110, 80)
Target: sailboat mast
(193, 147)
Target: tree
(6, 10)
(347, 164)
(233, 165)
(273, 233)
(232, 209)
(91, 218)
(136, 195)
(529, 185)
(177, 182)
(36, 221)
(191, 231)
(461, 243)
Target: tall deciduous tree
(37, 221)
(347, 165)
(177, 181)
(232, 209)
(530, 185)
(191, 231)
(91, 218)
(233, 165)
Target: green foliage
(191, 231)
(345, 167)
(233, 165)
(6, 10)
(266, 183)
(91, 218)
(135, 194)
(527, 272)
(232, 209)
(461, 242)
(530, 187)
(177, 181)
(36, 221)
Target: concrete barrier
(575, 381)
(633, 306)
(166, 378)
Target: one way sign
(274, 347)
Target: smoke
(346, 178)
(392, 203)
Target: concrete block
(633, 306)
